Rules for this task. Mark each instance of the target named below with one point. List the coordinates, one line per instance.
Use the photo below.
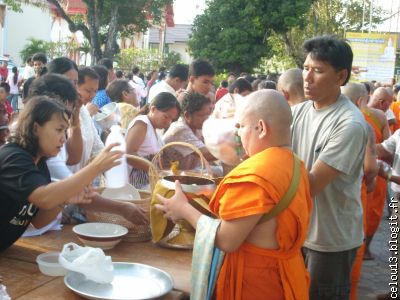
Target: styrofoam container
(49, 265)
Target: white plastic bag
(219, 137)
(91, 262)
(3, 293)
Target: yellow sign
(374, 56)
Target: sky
(393, 7)
(186, 10)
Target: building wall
(18, 27)
(183, 50)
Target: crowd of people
(295, 217)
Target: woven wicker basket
(136, 233)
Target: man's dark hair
(135, 70)
(103, 76)
(29, 59)
(5, 86)
(267, 85)
(201, 67)
(330, 49)
(193, 102)
(54, 86)
(40, 57)
(61, 65)
(119, 74)
(86, 72)
(180, 70)
(241, 84)
(116, 87)
(224, 83)
(108, 63)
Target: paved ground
(375, 273)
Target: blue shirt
(101, 99)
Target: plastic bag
(221, 140)
(91, 262)
(3, 293)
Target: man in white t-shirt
(330, 135)
(176, 80)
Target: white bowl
(100, 235)
(49, 265)
(108, 116)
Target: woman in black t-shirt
(26, 193)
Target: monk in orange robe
(358, 94)
(395, 107)
(263, 260)
(374, 115)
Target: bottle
(117, 176)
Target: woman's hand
(177, 207)
(135, 214)
(92, 109)
(84, 197)
(107, 159)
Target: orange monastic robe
(252, 188)
(395, 107)
(376, 199)
(356, 271)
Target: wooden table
(24, 281)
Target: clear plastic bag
(91, 262)
(221, 140)
(3, 293)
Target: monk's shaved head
(292, 81)
(381, 99)
(354, 91)
(271, 107)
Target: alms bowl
(100, 235)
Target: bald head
(291, 84)
(271, 107)
(381, 99)
(354, 91)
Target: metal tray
(132, 281)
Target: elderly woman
(143, 140)
(196, 108)
(28, 194)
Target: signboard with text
(374, 56)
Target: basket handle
(204, 163)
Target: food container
(49, 265)
(100, 235)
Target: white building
(176, 40)
(17, 27)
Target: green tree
(234, 34)
(34, 46)
(112, 17)
(324, 17)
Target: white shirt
(10, 81)
(139, 89)
(390, 114)
(392, 145)
(160, 87)
(28, 72)
(92, 143)
(152, 142)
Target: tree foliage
(146, 59)
(325, 17)
(233, 34)
(51, 49)
(113, 18)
